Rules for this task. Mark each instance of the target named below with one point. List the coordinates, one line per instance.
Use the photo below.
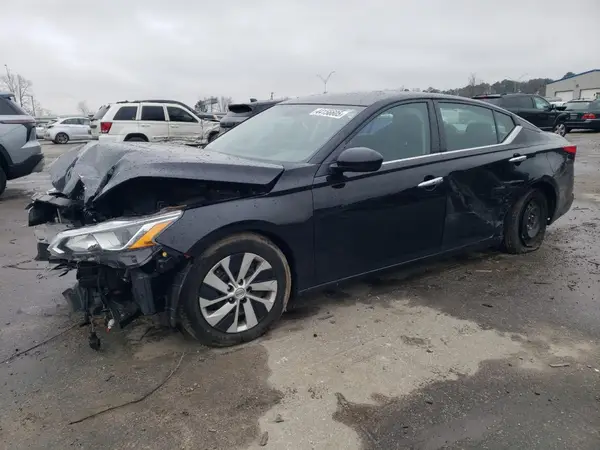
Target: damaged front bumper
(121, 271)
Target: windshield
(578, 106)
(287, 133)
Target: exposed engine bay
(109, 203)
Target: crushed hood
(97, 167)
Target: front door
(182, 125)
(545, 112)
(364, 222)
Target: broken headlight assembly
(113, 236)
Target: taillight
(25, 120)
(572, 149)
(588, 116)
(105, 127)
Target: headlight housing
(114, 235)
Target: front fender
(286, 218)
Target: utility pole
(518, 80)
(32, 104)
(272, 93)
(325, 80)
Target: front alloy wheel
(232, 299)
(560, 129)
(235, 290)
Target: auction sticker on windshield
(334, 113)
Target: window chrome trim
(509, 140)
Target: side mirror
(357, 159)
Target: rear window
(10, 108)
(578, 106)
(240, 109)
(100, 114)
(126, 113)
(517, 102)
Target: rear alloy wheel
(526, 222)
(61, 138)
(560, 129)
(236, 290)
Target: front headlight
(113, 236)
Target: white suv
(152, 121)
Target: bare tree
(83, 108)
(224, 102)
(472, 84)
(18, 85)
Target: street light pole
(518, 80)
(325, 80)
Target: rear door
(486, 170)
(523, 106)
(183, 125)
(153, 122)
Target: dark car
(532, 108)
(238, 112)
(311, 192)
(583, 114)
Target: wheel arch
(136, 135)
(5, 160)
(262, 228)
(548, 188)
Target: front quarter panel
(284, 215)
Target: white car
(152, 121)
(68, 129)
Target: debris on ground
(562, 364)
(264, 439)
(278, 418)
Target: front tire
(235, 291)
(560, 128)
(61, 138)
(525, 224)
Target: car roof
(175, 102)
(367, 98)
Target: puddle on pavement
(501, 406)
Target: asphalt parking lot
(484, 351)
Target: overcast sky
(109, 50)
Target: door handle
(144, 126)
(431, 182)
(174, 126)
(517, 159)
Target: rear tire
(253, 284)
(2, 181)
(526, 222)
(61, 138)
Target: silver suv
(20, 151)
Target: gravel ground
(485, 351)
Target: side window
(126, 113)
(8, 108)
(179, 115)
(504, 125)
(540, 103)
(467, 126)
(86, 122)
(70, 122)
(519, 101)
(153, 113)
(399, 132)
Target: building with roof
(584, 85)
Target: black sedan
(308, 193)
(583, 114)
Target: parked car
(151, 121)
(40, 129)
(211, 116)
(533, 108)
(238, 112)
(556, 101)
(20, 151)
(583, 114)
(68, 129)
(308, 193)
